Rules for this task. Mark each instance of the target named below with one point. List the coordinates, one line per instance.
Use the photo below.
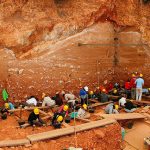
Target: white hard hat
(86, 88)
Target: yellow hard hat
(85, 106)
(149, 89)
(6, 105)
(115, 91)
(133, 75)
(141, 75)
(116, 107)
(60, 118)
(91, 93)
(65, 108)
(36, 111)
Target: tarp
(4, 95)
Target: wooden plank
(124, 116)
(30, 108)
(146, 115)
(85, 120)
(9, 143)
(93, 100)
(100, 104)
(69, 130)
(142, 102)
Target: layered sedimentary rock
(65, 44)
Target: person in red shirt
(128, 88)
(133, 86)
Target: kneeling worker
(57, 121)
(111, 109)
(82, 112)
(34, 118)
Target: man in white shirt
(69, 98)
(47, 101)
(31, 101)
(122, 101)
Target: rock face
(64, 44)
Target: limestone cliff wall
(42, 43)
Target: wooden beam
(142, 102)
(124, 116)
(69, 130)
(93, 100)
(101, 104)
(85, 120)
(9, 143)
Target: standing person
(83, 95)
(139, 85)
(133, 86)
(128, 88)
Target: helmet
(91, 93)
(65, 108)
(6, 105)
(141, 75)
(149, 89)
(133, 75)
(116, 107)
(60, 118)
(85, 106)
(36, 111)
(104, 90)
(86, 88)
(115, 91)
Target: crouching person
(129, 107)
(57, 120)
(34, 118)
(82, 112)
(111, 109)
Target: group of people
(69, 103)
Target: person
(104, 96)
(9, 106)
(69, 98)
(47, 101)
(57, 121)
(110, 109)
(139, 84)
(82, 112)
(109, 88)
(58, 99)
(129, 107)
(31, 101)
(83, 95)
(4, 110)
(63, 111)
(128, 88)
(133, 86)
(34, 118)
(97, 93)
(122, 101)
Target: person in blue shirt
(84, 95)
(139, 85)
